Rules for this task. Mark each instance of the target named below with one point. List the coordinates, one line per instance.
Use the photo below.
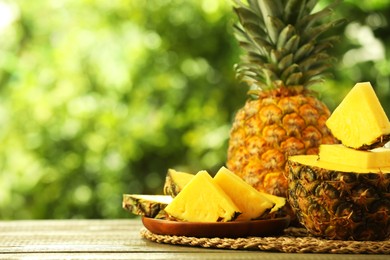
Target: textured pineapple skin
(175, 182)
(268, 130)
(142, 206)
(340, 205)
(286, 52)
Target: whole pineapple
(285, 53)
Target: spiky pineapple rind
(380, 142)
(146, 205)
(340, 205)
(175, 182)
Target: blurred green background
(100, 98)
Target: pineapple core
(359, 121)
(202, 200)
(251, 203)
(339, 154)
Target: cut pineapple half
(359, 121)
(251, 202)
(337, 201)
(202, 200)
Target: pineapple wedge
(145, 205)
(359, 121)
(175, 182)
(202, 200)
(340, 154)
(279, 202)
(251, 202)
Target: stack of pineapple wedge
(201, 198)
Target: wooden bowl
(233, 229)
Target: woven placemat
(294, 240)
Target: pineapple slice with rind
(279, 202)
(251, 202)
(145, 205)
(340, 154)
(202, 200)
(360, 121)
(175, 181)
(314, 161)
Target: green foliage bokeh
(100, 98)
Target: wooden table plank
(186, 256)
(114, 239)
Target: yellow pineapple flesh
(202, 200)
(175, 181)
(278, 210)
(315, 161)
(280, 203)
(377, 158)
(251, 203)
(361, 107)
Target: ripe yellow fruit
(377, 158)
(175, 181)
(344, 193)
(285, 52)
(360, 121)
(251, 202)
(202, 200)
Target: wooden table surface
(115, 239)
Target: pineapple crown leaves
(284, 43)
